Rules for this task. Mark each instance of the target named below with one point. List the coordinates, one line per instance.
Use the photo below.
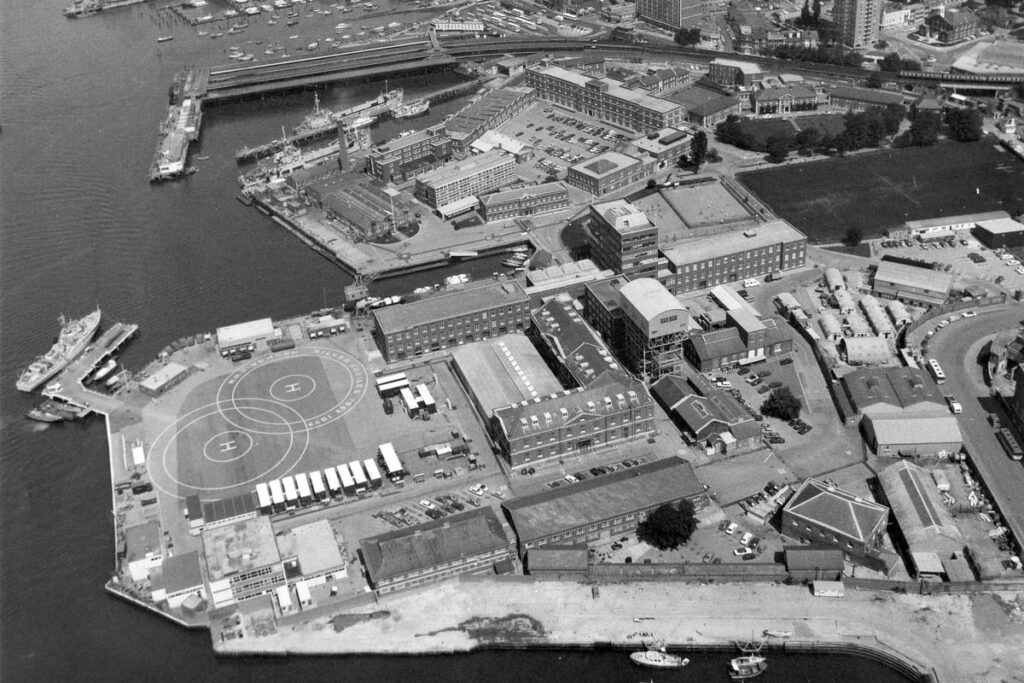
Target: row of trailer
(414, 399)
(348, 479)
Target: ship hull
(31, 381)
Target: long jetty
(69, 386)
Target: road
(956, 348)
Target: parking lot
(965, 258)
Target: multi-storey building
(951, 26)
(670, 14)
(569, 346)
(745, 339)
(467, 543)
(614, 409)
(608, 172)
(728, 257)
(656, 326)
(784, 100)
(456, 181)
(624, 239)
(409, 154)
(755, 34)
(666, 146)
(602, 307)
(819, 513)
(524, 201)
(857, 21)
(604, 98)
(733, 72)
(490, 111)
(602, 508)
(483, 311)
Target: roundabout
(255, 423)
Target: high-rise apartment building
(857, 21)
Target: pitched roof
(798, 92)
(838, 510)
(899, 274)
(435, 543)
(900, 388)
(470, 300)
(867, 95)
(572, 341)
(554, 558)
(921, 515)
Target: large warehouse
(929, 534)
(500, 372)
(604, 507)
(905, 392)
(469, 542)
(910, 283)
(1000, 232)
(918, 437)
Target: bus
(936, 370)
(1010, 444)
(333, 483)
(348, 484)
(277, 495)
(263, 497)
(316, 482)
(358, 476)
(389, 459)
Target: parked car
(731, 529)
(741, 551)
(745, 538)
(786, 361)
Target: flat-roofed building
(604, 98)
(236, 575)
(311, 551)
(624, 240)
(558, 563)
(733, 72)
(608, 172)
(604, 507)
(563, 278)
(859, 99)
(500, 372)
(732, 256)
(532, 200)
(613, 410)
(922, 436)
(1000, 233)
(911, 284)
(466, 543)
(822, 514)
(490, 111)
(163, 379)
(409, 155)
(946, 227)
(927, 532)
(857, 22)
(602, 308)
(707, 416)
(243, 334)
(656, 325)
(670, 14)
(665, 146)
(571, 348)
(456, 181)
(480, 311)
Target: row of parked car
(750, 545)
(596, 472)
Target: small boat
(107, 368)
(164, 39)
(770, 633)
(113, 381)
(747, 666)
(40, 415)
(201, 33)
(460, 279)
(658, 659)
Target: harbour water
(80, 225)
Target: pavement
(958, 637)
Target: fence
(937, 311)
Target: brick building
(624, 240)
(532, 200)
(409, 155)
(474, 176)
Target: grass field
(881, 190)
(828, 124)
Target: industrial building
(242, 335)
(814, 562)
(234, 575)
(311, 551)
(614, 409)
(604, 507)
(924, 436)
(164, 378)
(867, 351)
(859, 99)
(707, 416)
(906, 392)
(409, 154)
(746, 339)
(1000, 233)
(733, 72)
(822, 514)
(927, 533)
(608, 172)
(500, 372)
(533, 200)
(360, 203)
(624, 240)
(558, 563)
(922, 286)
(480, 311)
(732, 256)
(457, 181)
(857, 21)
(656, 326)
(177, 579)
(473, 542)
(490, 111)
(604, 98)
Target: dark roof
(606, 292)
(557, 558)
(901, 388)
(572, 341)
(182, 572)
(425, 546)
(707, 415)
(835, 509)
(606, 497)
(799, 557)
(466, 301)
(923, 519)
(727, 341)
(140, 540)
(216, 510)
(798, 92)
(867, 95)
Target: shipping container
(347, 483)
(291, 494)
(316, 482)
(305, 492)
(263, 497)
(333, 482)
(357, 475)
(392, 465)
(372, 472)
(277, 495)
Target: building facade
(602, 307)
(525, 201)
(951, 26)
(656, 327)
(744, 340)
(477, 175)
(623, 239)
(733, 72)
(604, 98)
(669, 14)
(785, 100)
(822, 514)
(490, 111)
(857, 21)
(439, 322)
(408, 155)
(608, 172)
(921, 286)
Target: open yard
(881, 190)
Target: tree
(816, 12)
(687, 36)
(782, 404)
(853, 236)
(891, 62)
(699, 150)
(892, 116)
(808, 138)
(778, 147)
(731, 132)
(924, 130)
(805, 14)
(875, 80)
(964, 124)
(669, 526)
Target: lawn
(876, 191)
(761, 130)
(828, 124)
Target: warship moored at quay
(74, 336)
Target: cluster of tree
(863, 129)
(810, 15)
(688, 36)
(854, 235)
(892, 62)
(732, 132)
(819, 55)
(782, 404)
(669, 526)
(964, 125)
(924, 130)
